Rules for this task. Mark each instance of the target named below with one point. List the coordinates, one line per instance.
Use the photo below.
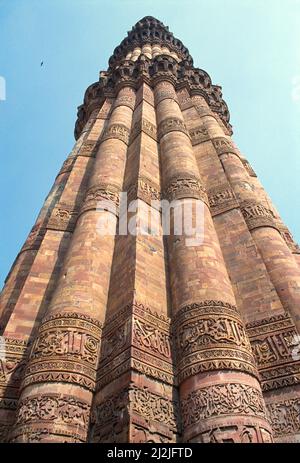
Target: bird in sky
(42, 62)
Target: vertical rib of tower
(139, 337)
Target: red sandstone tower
(142, 337)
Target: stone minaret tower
(142, 337)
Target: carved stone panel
(221, 199)
(65, 350)
(257, 215)
(276, 347)
(183, 187)
(211, 336)
(119, 131)
(199, 135)
(63, 217)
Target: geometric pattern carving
(65, 350)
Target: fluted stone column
(60, 376)
(221, 399)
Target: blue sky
(249, 47)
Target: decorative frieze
(199, 135)
(105, 195)
(257, 215)
(118, 131)
(211, 336)
(288, 238)
(145, 190)
(67, 165)
(106, 108)
(137, 339)
(139, 404)
(203, 111)
(125, 100)
(171, 124)
(276, 347)
(249, 433)
(59, 414)
(222, 399)
(13, 358)
(34, 238)
(163, 94)
(66, 349)
(88, 148)
(285, 419)
(63, 217)
(223, 145)
(222, 199)
(185, 187)
(143, 125)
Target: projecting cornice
(151, 53)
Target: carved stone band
(88, 149)
(61, 415)
(184, 187)
(118, 131)
(223, 146)
(67, 165)
(66, 350)
(34, 238)
(222, 199)
(145, 190)
(143, 125)
(125, 101)
(215, 401)
(165, 94)
(63, 217)
(139, 339)
(199, 135)
(171, 124)
(107, 195)
(285, 418)
(13, 358)
(257, 215)
(274, 343)
(210, 336)
(147, 407)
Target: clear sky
(249, 47)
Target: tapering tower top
(152, 37)
(149, 52)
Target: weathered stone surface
(139, 337)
